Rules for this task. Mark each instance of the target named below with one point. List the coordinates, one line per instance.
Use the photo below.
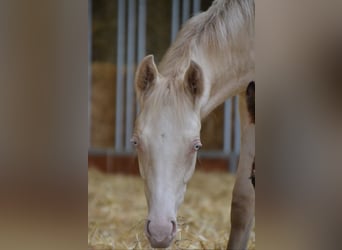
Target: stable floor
(117, 211)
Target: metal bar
(119, 75)
(130, 73)
(234, 158)
(196, 6)
(227, 127)
(89, 68)
(213, 154)
(185, 10)
(237, 126)
(141, 35)
(110, 151)
(141, 29)
(175, 19)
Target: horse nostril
(174, 227)
(147, 227)
(160, 233)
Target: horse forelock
(169, 96)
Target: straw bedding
(117, 209)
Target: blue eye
(197, 146)
(134, 141)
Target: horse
(211, 59)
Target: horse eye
(134, 141)
(197, 146)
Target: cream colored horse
(211, 60)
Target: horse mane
(214, 29)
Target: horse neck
(225, 74)
(228, 73)
(220, 41)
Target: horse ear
(194, 80)
(145, 77)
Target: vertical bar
(89, 68)
(119, 75)
(237, 137)
(237, 127)
(175, 19)
(227, 127)
(141, 35)
(185, 10)
(196, 6)
(130, 73)
(141, 29)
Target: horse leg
(243, 200)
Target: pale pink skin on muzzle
(160, 232)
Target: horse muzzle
(160, 233)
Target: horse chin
(160, 244)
